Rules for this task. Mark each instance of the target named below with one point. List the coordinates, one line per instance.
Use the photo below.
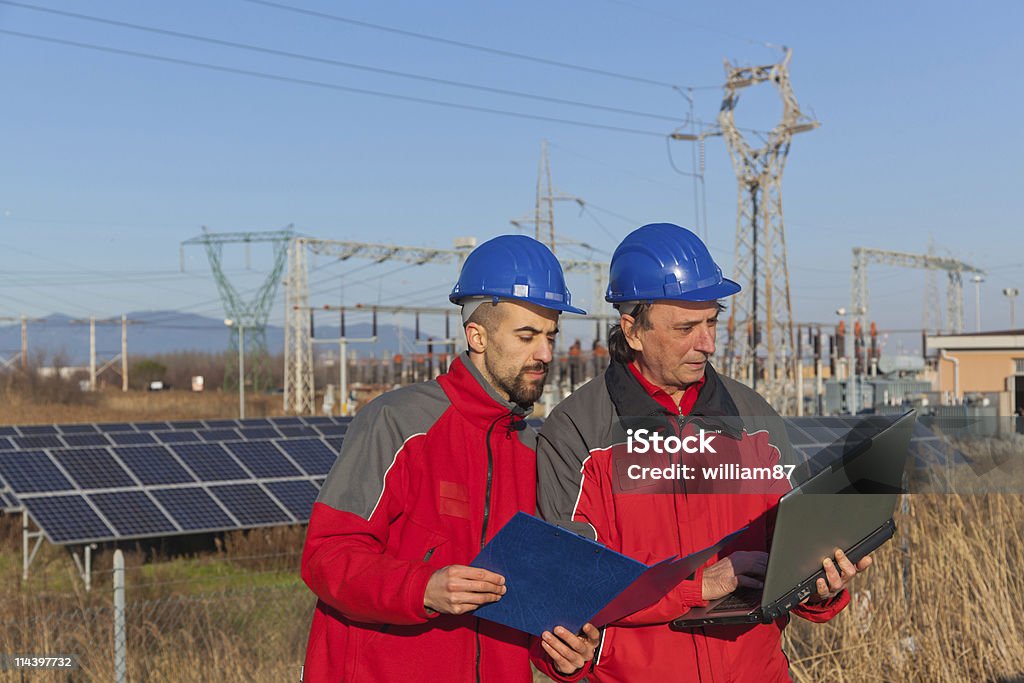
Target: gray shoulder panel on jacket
(579, 424)
(356, 482)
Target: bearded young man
(426, 476)
(667, 289)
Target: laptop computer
(846, 503)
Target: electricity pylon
(954, 268)
(251, 314)
(761, 343)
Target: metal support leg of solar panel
(31, 541)
(28, 537)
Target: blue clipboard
(558, 578)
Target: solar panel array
(811, 435)
(84, 483)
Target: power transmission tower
(543, 221)
(544, 207)
(249, 314)
(761, 343)
(954, 274)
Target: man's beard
(523, 391)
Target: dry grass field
(112, 405)
(939, 604)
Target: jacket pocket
(422, 543)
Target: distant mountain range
(159, 332)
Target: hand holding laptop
(740, 569)
(839, 573)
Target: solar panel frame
(131, 438)
(210, 462)
(85, 467)
(80, 440)
(251, 504)
(93, 468)
(33, 430)
(314, 456)
(37, 441)
(254, 422)
(182, 436)
(19, 468)
(258, 433)
(211, 435)
(188, 505)
(264, 459)
(157, 426)
(187, 424)
(80, 428)
(297, 495)
(9, 501)
(220, 424)
(162, 467)
(108, 427)
(54, 514)
(297, 431)
(331, 429)
(133, 514)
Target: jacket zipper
(487, 490)
(483, 532)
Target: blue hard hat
(665, 261)
(514, 267)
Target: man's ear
(476, 337)
(630, 332)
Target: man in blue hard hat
(426, 476)
(668, 292)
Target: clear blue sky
(108, 162)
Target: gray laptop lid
(812, 520)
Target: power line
(468, 46)
(339, 63)
(326, 86)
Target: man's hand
(457, 589)
(838, 575)
(739, 569)
(569, 652)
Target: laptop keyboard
(743, 597)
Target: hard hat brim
(719, 290)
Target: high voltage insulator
(299, 389)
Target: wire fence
(236, 628)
